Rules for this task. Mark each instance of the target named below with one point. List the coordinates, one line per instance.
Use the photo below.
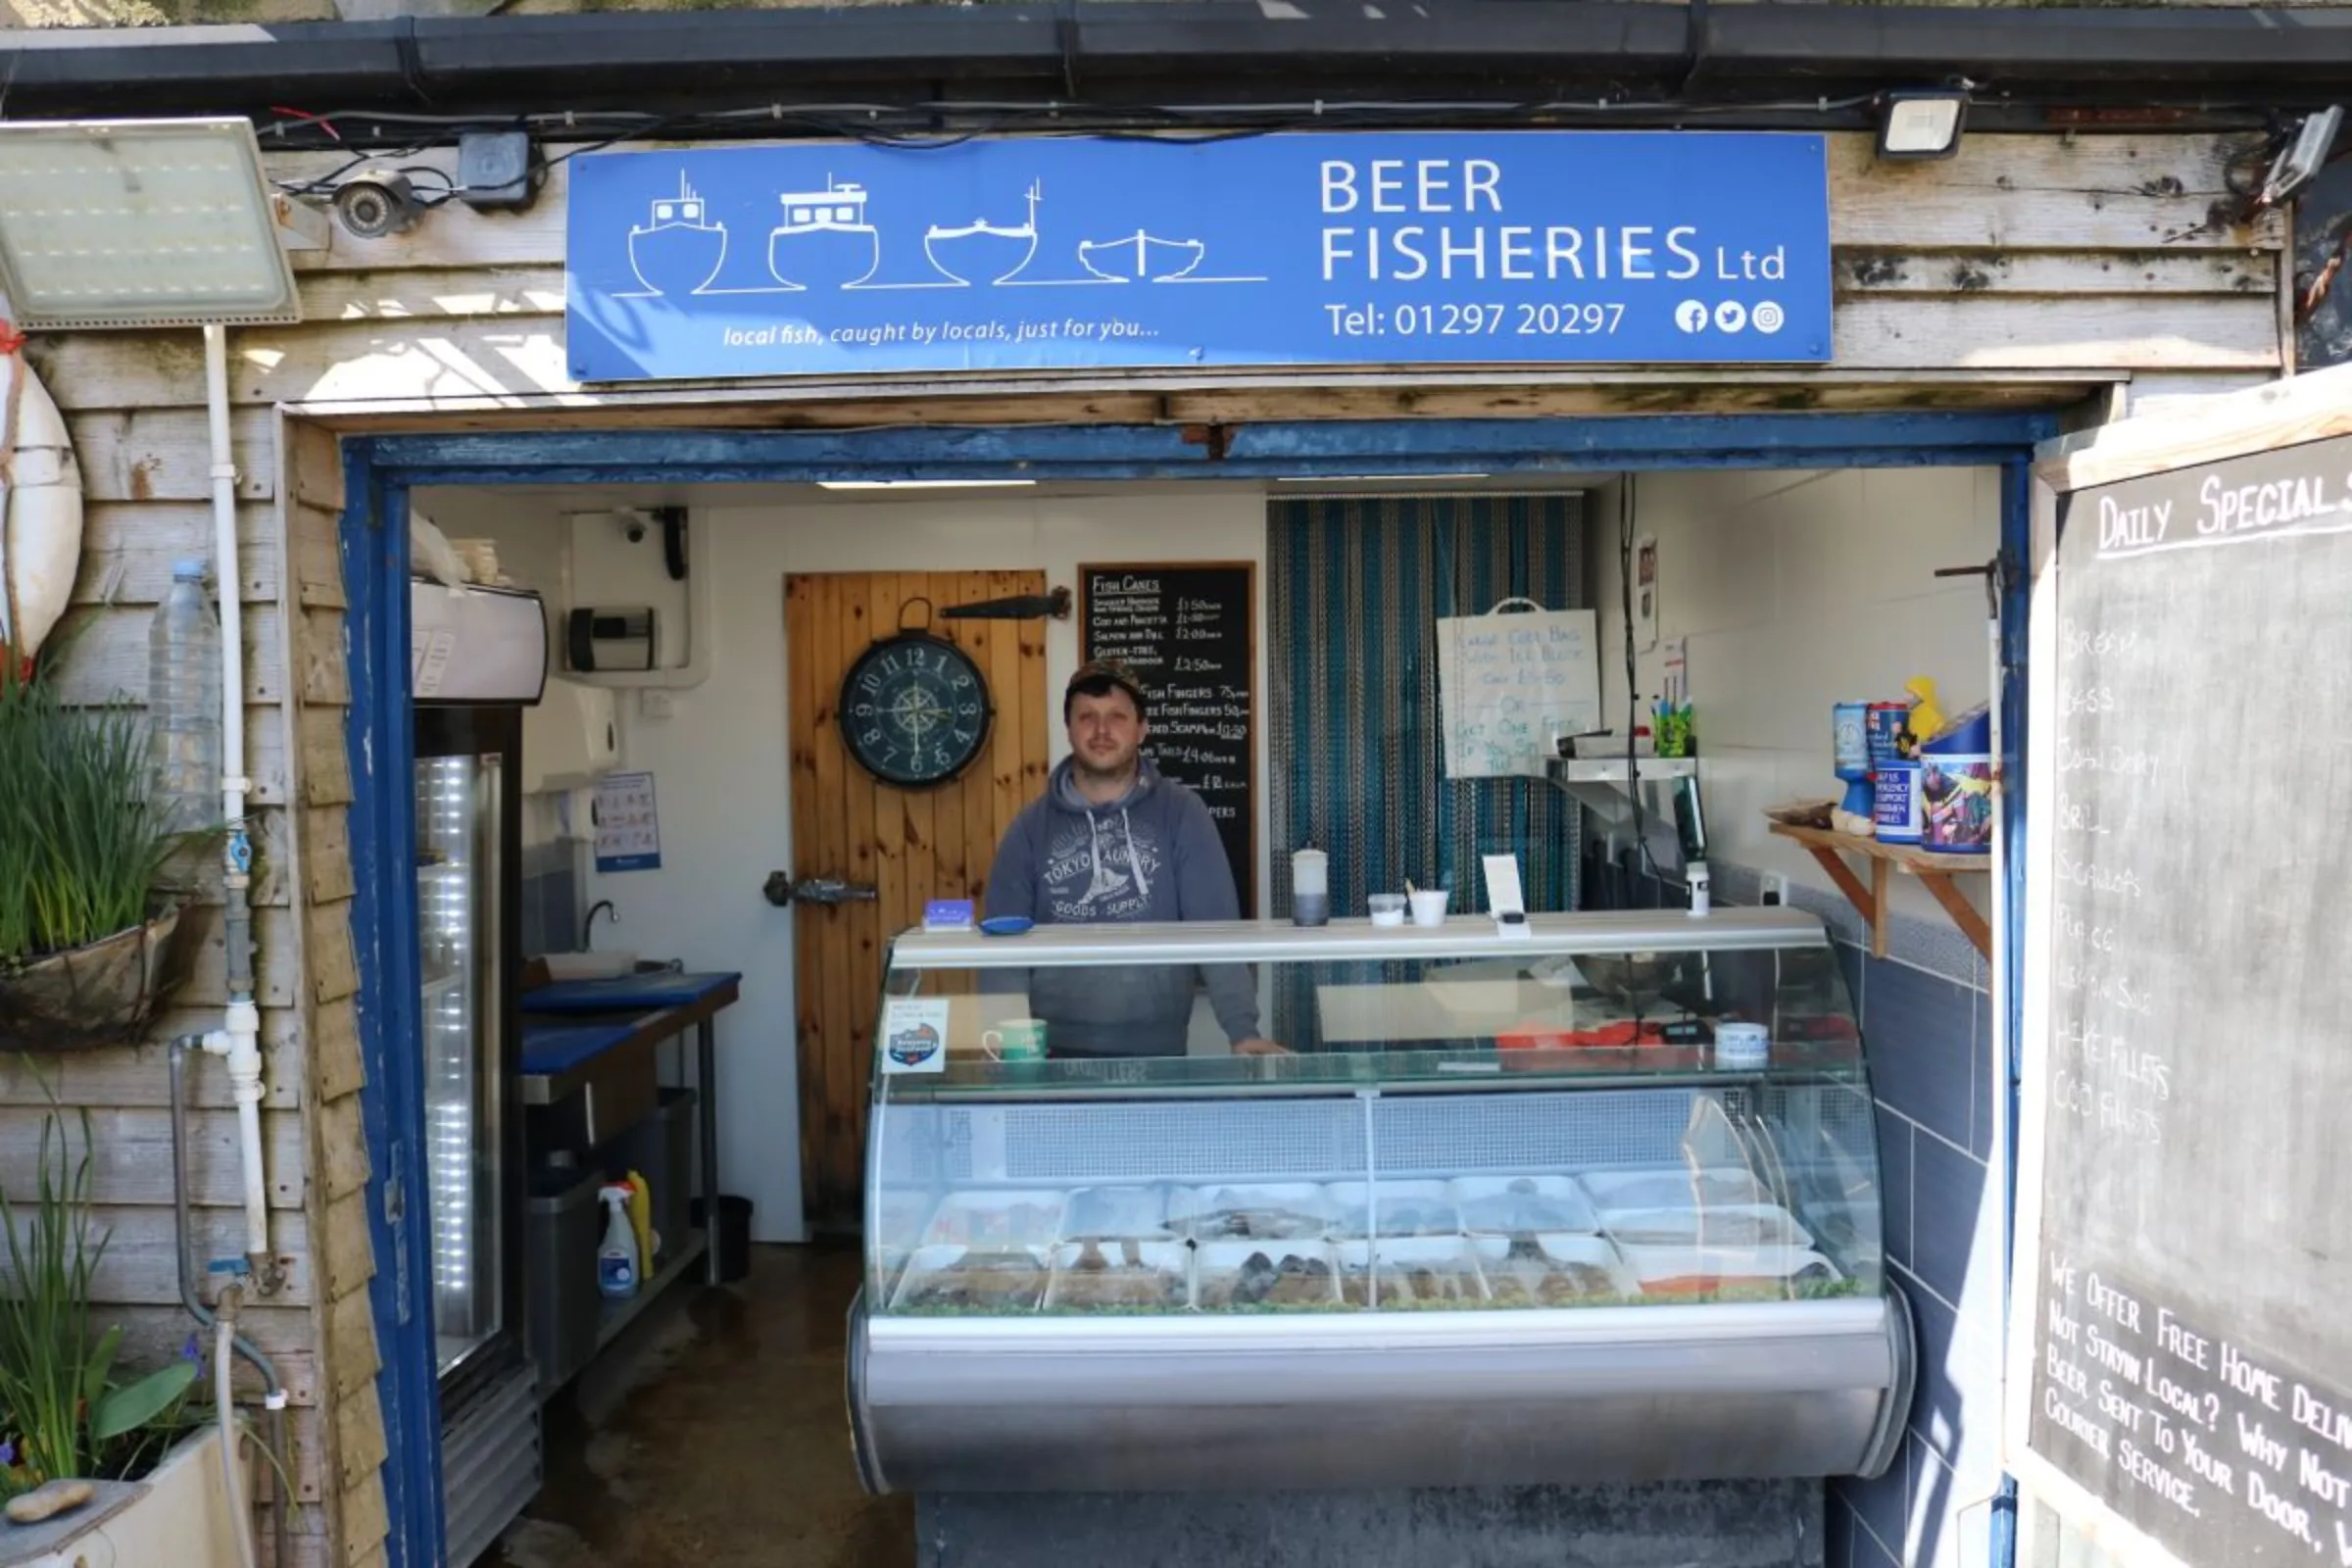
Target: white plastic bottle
(616, 1269)
(183, 702)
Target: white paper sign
(629, 826)
(914, 1035)
(1509, 681)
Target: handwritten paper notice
(1507, 682)
(628, 829)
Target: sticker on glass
(914, 1035)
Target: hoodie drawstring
(1135, 862)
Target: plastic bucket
(1955, 803)
(731, 1236)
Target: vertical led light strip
(445, 831)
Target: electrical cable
(1633, 697)
(866, 122)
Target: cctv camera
(377, 201)
(633, 530)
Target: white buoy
(41, 511)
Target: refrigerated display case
(468, 846)
(1514, 1210)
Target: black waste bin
(731, 1236)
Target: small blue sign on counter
(948, 914)
(1366, 248)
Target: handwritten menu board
(2191, 1333)
(1189, 632)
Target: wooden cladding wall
(2023, 255)
(147, 480)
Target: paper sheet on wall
(629, 826)
(1511, 680)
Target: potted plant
(87, 925)
(67, 1411)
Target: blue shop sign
(1372, 248)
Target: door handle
(782, 889)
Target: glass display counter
(1595, 1202)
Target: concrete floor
(715, 1431)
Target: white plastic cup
(1310, 887)
(1429, 906)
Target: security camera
(632, 529)
(377, 201)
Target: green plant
(57, 1386)
(82, 850)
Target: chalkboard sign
(1189, 631)
(2191, 1324)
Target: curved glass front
(1478, 1125)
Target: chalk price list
(1178, 643)
(2103, 1078)
(2194, 1421)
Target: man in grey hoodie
(1112, 840)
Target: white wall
(720, 761)
(1799, 590)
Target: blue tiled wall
(1927, 1040)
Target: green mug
(1015, 1039)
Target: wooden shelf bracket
(1933, 871)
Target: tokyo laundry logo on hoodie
(1102, 868)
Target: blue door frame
(381, 471)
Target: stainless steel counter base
(1380, 1399)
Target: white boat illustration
(983, 251)
(1141, 258)
(825, 240)
(680, 250)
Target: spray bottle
(616, 1264)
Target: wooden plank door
(910, 844)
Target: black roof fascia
(1134, 52)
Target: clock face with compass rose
(914, 710)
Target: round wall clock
(914, 710)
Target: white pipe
(224, 1333)
(234, 783)
(239, 1040)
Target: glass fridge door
(457, 925)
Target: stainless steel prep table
(649, 1008)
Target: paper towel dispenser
(605, 638)
(476, 645)
(571, 739)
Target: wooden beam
(1964, 914)
(106, 656)
(134, 1077)
(2021, 192)
(141, 1265)
(129, 546)
(166, 453)
(130, 1154)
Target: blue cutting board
(626, 993)
(550, 1050)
